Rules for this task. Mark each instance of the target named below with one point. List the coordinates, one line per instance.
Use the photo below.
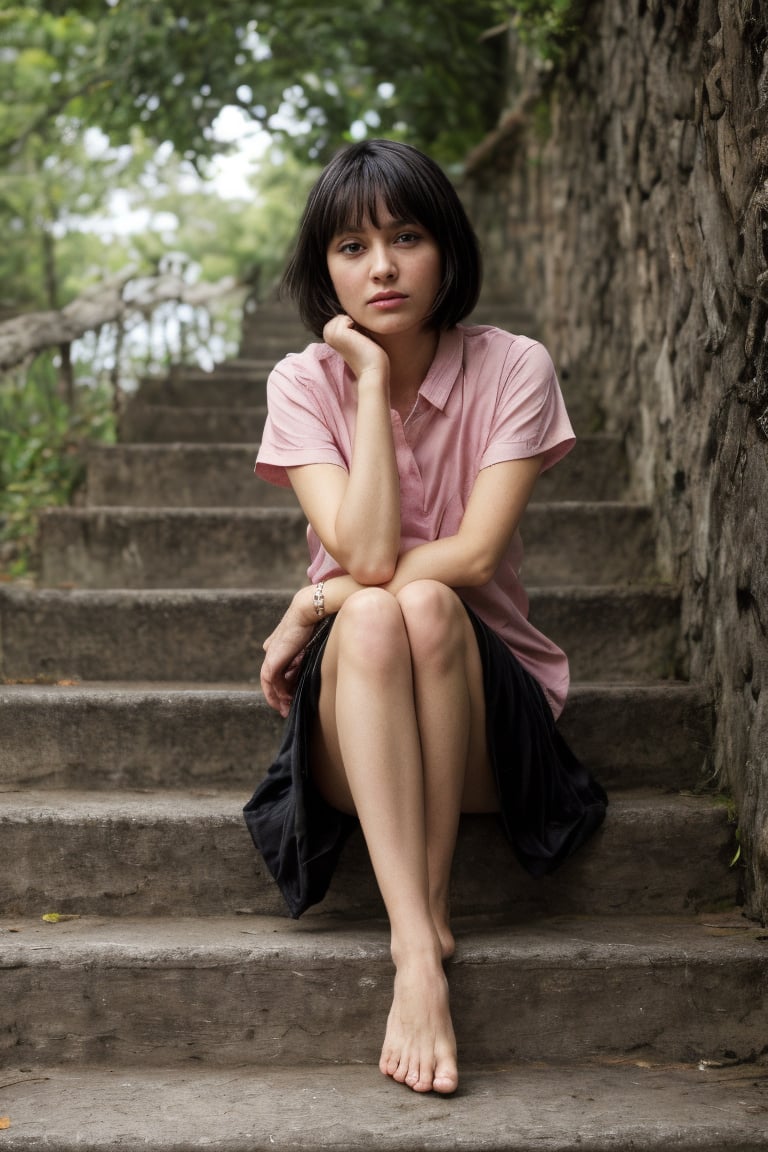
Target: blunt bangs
(372, 182)
(350, 191)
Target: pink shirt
(488, 397)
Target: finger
(267, 687)
(283, 696)
(277, 693)
(335, 325)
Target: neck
(410, 358)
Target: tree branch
(30, 333)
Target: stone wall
(625, 202)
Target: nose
(383, 266)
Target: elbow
(366, 565)
(369, 556)
(480, 570)
(477, 559)
(479, 576)
(369, 571)
(370, 567)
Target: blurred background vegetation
(156, 136)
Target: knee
(371, 630)
(435, 621)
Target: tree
(310, 73)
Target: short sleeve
(530, 418)
(300, 427)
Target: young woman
(415, 688)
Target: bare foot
(420, 1046)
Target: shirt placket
(411, 482)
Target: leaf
(58, 917)
(5, 1122)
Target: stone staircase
(617, 1004)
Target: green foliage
(40, 452)
(283, 186)
(47, 195)
(248, 238)
(550, 27)
(422, 72)
(58, 184)
(310, 73)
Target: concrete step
(603, 1106)
(178, 476)
(170, 424)
(244, 991)
(268, 338)
(221, 475)
(173, 548)
(113, 736)
(277, 318)
(276, 342)
(248, 547)
(243, 386)
(154, 853)
(613, 633)
(234, 366)
(274, 309)
(595, 469)
(197, 635)
(269, 316)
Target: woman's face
(386, 277)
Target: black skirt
(549, 804)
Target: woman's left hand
(284, 650)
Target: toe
(402, 1071)
(446, 1078)
(412, 1078)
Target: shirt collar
(444, 369)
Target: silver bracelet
(318, 599)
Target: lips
(387, 301)
(384, 297)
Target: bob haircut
(349, 191)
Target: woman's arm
(495, 507)
(497, 502)
(357, 515)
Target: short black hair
(412, 187)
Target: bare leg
(368, 763)
(450, 712)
